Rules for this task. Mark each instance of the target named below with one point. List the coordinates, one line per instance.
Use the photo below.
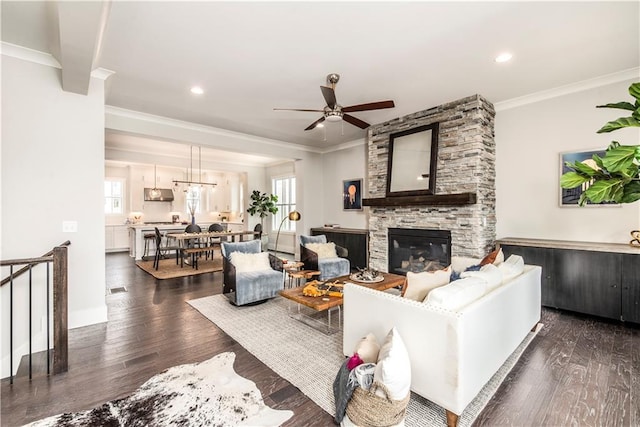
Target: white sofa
(453, 354)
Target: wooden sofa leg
(452, 419)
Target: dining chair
(160, 249)
(215, 241)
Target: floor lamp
(293, 216)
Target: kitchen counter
(136, 246)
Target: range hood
(166, 195)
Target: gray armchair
(246, 287)
(328, 267)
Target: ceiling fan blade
(329, 96)
(355, 121)
(316, 123)
(297, 109)
(370, 106)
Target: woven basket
(367, 409)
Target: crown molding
(346, 145)
(632, 73)
(30, 55)
(151, 118)
(102, 73)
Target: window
(192, 199)
(285, 189)
(113, 196)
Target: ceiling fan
(334, 112)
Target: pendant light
(190, 182)
(155, 193)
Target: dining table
(205, 236)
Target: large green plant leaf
(620, 105)
(620, 158)
(573, 179)
(608, 190)
(582, 168)
(631, 192)
(634, 90)
(620, 123)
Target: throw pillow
(368, 348)
(458, 294)
(490, 258)
(489, 273)
(250, 262)
(418, 285)
(512, 267)
(323, 250)
(394, 367)
(460, 263)
(499, 258)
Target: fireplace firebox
(417, 250)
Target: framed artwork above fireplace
(413, 159)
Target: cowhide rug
(208, 393)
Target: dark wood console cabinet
(355, 240)
(598, 279)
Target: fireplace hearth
(417, 250)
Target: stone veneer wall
(466, 163)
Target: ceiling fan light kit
(334, 112)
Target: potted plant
(262, 204)
(614, 177)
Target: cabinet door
(121, 237)
(108, 237)
(588, 282)
(631, 288)
(544, 258)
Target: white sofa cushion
(394, 367)
(512, 267)
(250, 262)
(323, 250)
(458, 293)
(418, 285)
(489, 273)
(368, 348)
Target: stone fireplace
(465, 164)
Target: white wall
(346, 164)
(53, 171)
(529, 140)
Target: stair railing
(57, 257)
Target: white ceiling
(250, 57)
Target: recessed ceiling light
(503, 57)
(197, 90)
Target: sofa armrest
(309, 258)
(229, 276)
(276, 263)
(342, 252)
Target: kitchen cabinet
(116, 238)
(597, 279)
(234, 227)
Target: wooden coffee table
(327, 303)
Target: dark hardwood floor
(577, 371)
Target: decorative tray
(358, 277)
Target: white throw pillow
(512, 267)
(393, 368)
(500, 258)
(489, 273)
(324, 250)
(461, 263)
(368, 348)
(418, 285)
(250, 262)
(458, 293)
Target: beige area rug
(208, 393)
(310, 360)
(168, 268)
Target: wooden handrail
(44, 258)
